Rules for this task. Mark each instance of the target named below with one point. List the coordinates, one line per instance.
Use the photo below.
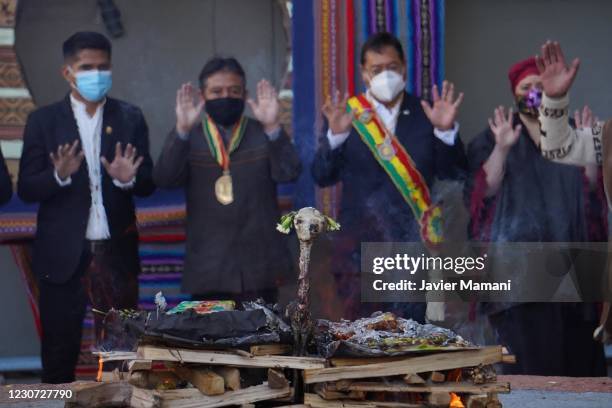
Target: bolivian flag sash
(401, 169)
(215, 141)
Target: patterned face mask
(530, 103)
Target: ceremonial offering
(384, 334)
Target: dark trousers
(551, 339)
(105, 279)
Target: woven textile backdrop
(327, 37)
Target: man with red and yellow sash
(387, 146)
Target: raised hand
(124, 165)
(67, 160)
(267, 108)
(557, 76)
(443, 113)
(584, 119)
(188, 108)
(501, 126)
(338, 118)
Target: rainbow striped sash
(401, 170)
(216, 143)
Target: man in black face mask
(229, 165)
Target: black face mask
(225, 111)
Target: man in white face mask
(386, 146)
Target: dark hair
(218, 64)
(379, 41)
(83, 40)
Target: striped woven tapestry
(327, 37)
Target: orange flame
(455, 401)
(100, 366)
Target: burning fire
(455, 401)
(100, 367)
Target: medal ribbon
(401, 170)
(215, 140)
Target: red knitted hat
(521, 70)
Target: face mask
(530, 103)
(225, 111)
(387, 85)
(93, 85)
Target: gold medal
(224, 190)
(386, 150)
(365, 117)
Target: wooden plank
(315, 401)
(205, 380)
(231, 376)
(116, 355)
(270, 349)
(106, 394)
(276, 379)
(222, 358)
(413, 379)
(439, 399)
(294, 406)
(437, 377)
(155, 399)
(138, 365)
(476, 401)
(438, 361)
(509, 359)
(456, 387)
(357, 361)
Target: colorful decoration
(203, 306)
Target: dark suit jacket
(231, 248)
(6, 184)
(372, 208)
(63, 212)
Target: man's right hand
(557, 76)
(188, 113)
(338, 118)
(501, 126)
(67, 160)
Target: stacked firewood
(438, 379)
(162, 376)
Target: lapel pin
(406, 112)
(109, 130)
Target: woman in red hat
(516, 195)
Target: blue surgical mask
(93, 85)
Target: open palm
(557, 77)
(501, 126)
(267, 108)
(188, 112)
(338, 119)
(443, 113)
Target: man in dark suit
(229, 166)
(84, 158)
(6, 184)
(374, 206)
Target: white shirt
(90, 133)
(389, 117)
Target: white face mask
(387, 85)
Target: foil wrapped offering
(219, 324)
(384, 334)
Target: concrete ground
(558, 392)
